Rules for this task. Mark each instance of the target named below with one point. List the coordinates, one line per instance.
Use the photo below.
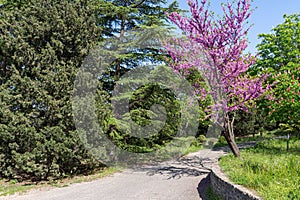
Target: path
(180, 179)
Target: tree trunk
(121, 37)
(288, 142)
(229, 135)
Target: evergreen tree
(121, 17)
(42, 46)
(130, 26)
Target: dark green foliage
(195, 79)
(122, 17)
(127, 130)
(249, 123)
(42, 46)
(141, 103)
(198, 141)
(141, 114)
(11, 4)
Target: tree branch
(137, 4)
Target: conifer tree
(121, 17)
(42, 46)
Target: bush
(222, 140)
(202, 138)
(249, 123)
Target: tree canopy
(279, 55)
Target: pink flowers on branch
(216, 47)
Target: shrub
(202, 138)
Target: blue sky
(266, 15)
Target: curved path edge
(222, 186)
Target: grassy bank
(268, 169)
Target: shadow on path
(182, 167)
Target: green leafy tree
(279, 54)
(42, 46)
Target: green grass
(193, 149)
(10, 187)
(268, 169)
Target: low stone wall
(226, 190)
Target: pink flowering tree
(216, 47)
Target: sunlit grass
(268, 169)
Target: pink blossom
(216, 48)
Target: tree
(279, 54)
(216, 48)
(43, 45)
(123, 22)
(121, 17)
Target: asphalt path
(180, 179)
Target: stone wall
(226, 190)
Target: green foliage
(249, 123)
(293, 129)
(268, 169)
(222, 140)
(11, 4)
(132, 137)
(281, 46)
(194, 77)
(121, 17)
(198, 141)
(43, 45)
(202, 138)
(279, 54)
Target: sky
(267, 14)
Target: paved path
(181, 179)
